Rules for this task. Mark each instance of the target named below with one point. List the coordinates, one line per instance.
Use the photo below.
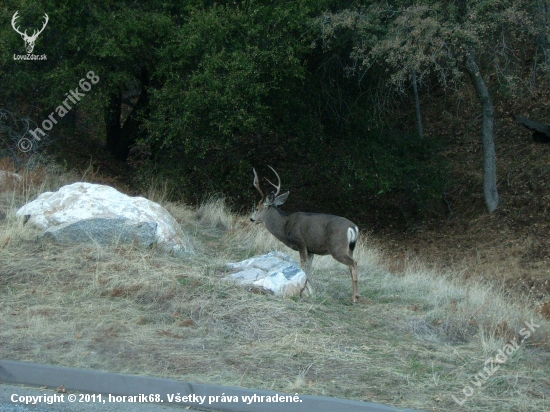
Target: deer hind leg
(353, 270)
(352, 264)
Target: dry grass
(416, 338)
(213, 212)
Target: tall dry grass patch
(254, 238)
(18, 192)
(448, 310)
(214, 212)
(158, 191)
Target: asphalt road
(20, 380)
(6, 404)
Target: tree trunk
(121, 137)
(131, 129)
(112, 126)
(417, 105)
(490, 191)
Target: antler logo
(29, 40)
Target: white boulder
(82, 201)
(275, 272)
(104, 231)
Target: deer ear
(279, 200)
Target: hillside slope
(510, 245)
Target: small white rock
(275, 272)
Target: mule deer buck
(308, 233)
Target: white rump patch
(353, 232)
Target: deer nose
(252, 220)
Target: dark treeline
(202, 91)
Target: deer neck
(275, 222)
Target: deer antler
(257, 184)
(278, 187)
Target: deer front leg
(352, 265)
(308, 264)
(306, 261)
(305, 258)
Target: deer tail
(353, 234)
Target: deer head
(273, 199)
(29, 40)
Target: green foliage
(229, 98)
(386, 162)
(316, 89)
(231, 72)
(241, 88)
(364, 173)
(111, 38)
